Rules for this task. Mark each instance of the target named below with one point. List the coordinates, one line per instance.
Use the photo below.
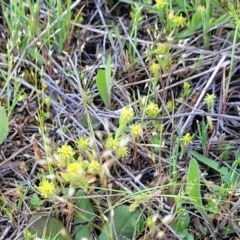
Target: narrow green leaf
(229, 175)
(35, 54)
(102, 87)
(108, 76)
(3, 125)
(104, 82)
(194, 188)
(209, 162)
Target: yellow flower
(112, 143)
(127, 114)
(187, 139)
(133, 207)
(82, 143)
(179, 20)
(160, 4)
(136, 130)
(74, 169)
(47, 101)
(209, 99)
(201, 8)
(122, 152)
(93, 167)
(150, 221)
(186, 89)
(162, 48)
(170, 106)
(65, 151)
(64, 154)
(186, 85)
(61, 162)
(46, 188)
(154, 68)
(152, 109)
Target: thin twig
(220, 65)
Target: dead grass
(205, 70)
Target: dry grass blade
(132, 148)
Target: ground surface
(180, 82)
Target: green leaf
(107, 232)
(223, 19)
(102, 87)
(83, 217)
(183, 233)
(104, 83)
(194, 187)
(229, 175)
(34, 53)
(86, 212)
(202, 129)
(36, 202)
(82, 232)
(209, 162)
(190, 237)
(183, 220)
(108, 77)
(123, 222)
(48, 227)
(90, 156)
(65, 176)
(3, 125)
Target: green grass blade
(108, 76)
(228, 175)
(3, 125)
(209, 162)
(104, 83)
(102, 87)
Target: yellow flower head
(187, 139)
(150, 221)
(201, 8)
(122, 152)
(154, 68)
(160, 4)
(47, 101)
(127, 114)
(186, 89)
(136, 130)
(170, 106)
(179, 20)
(112, 143)
(66, 151)
(62, 162)
(93, 167)
(152, 109)
(209, 99)
(186, 85)
(74, 169)
(46, 188)
(82, 143)
(162, 48)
